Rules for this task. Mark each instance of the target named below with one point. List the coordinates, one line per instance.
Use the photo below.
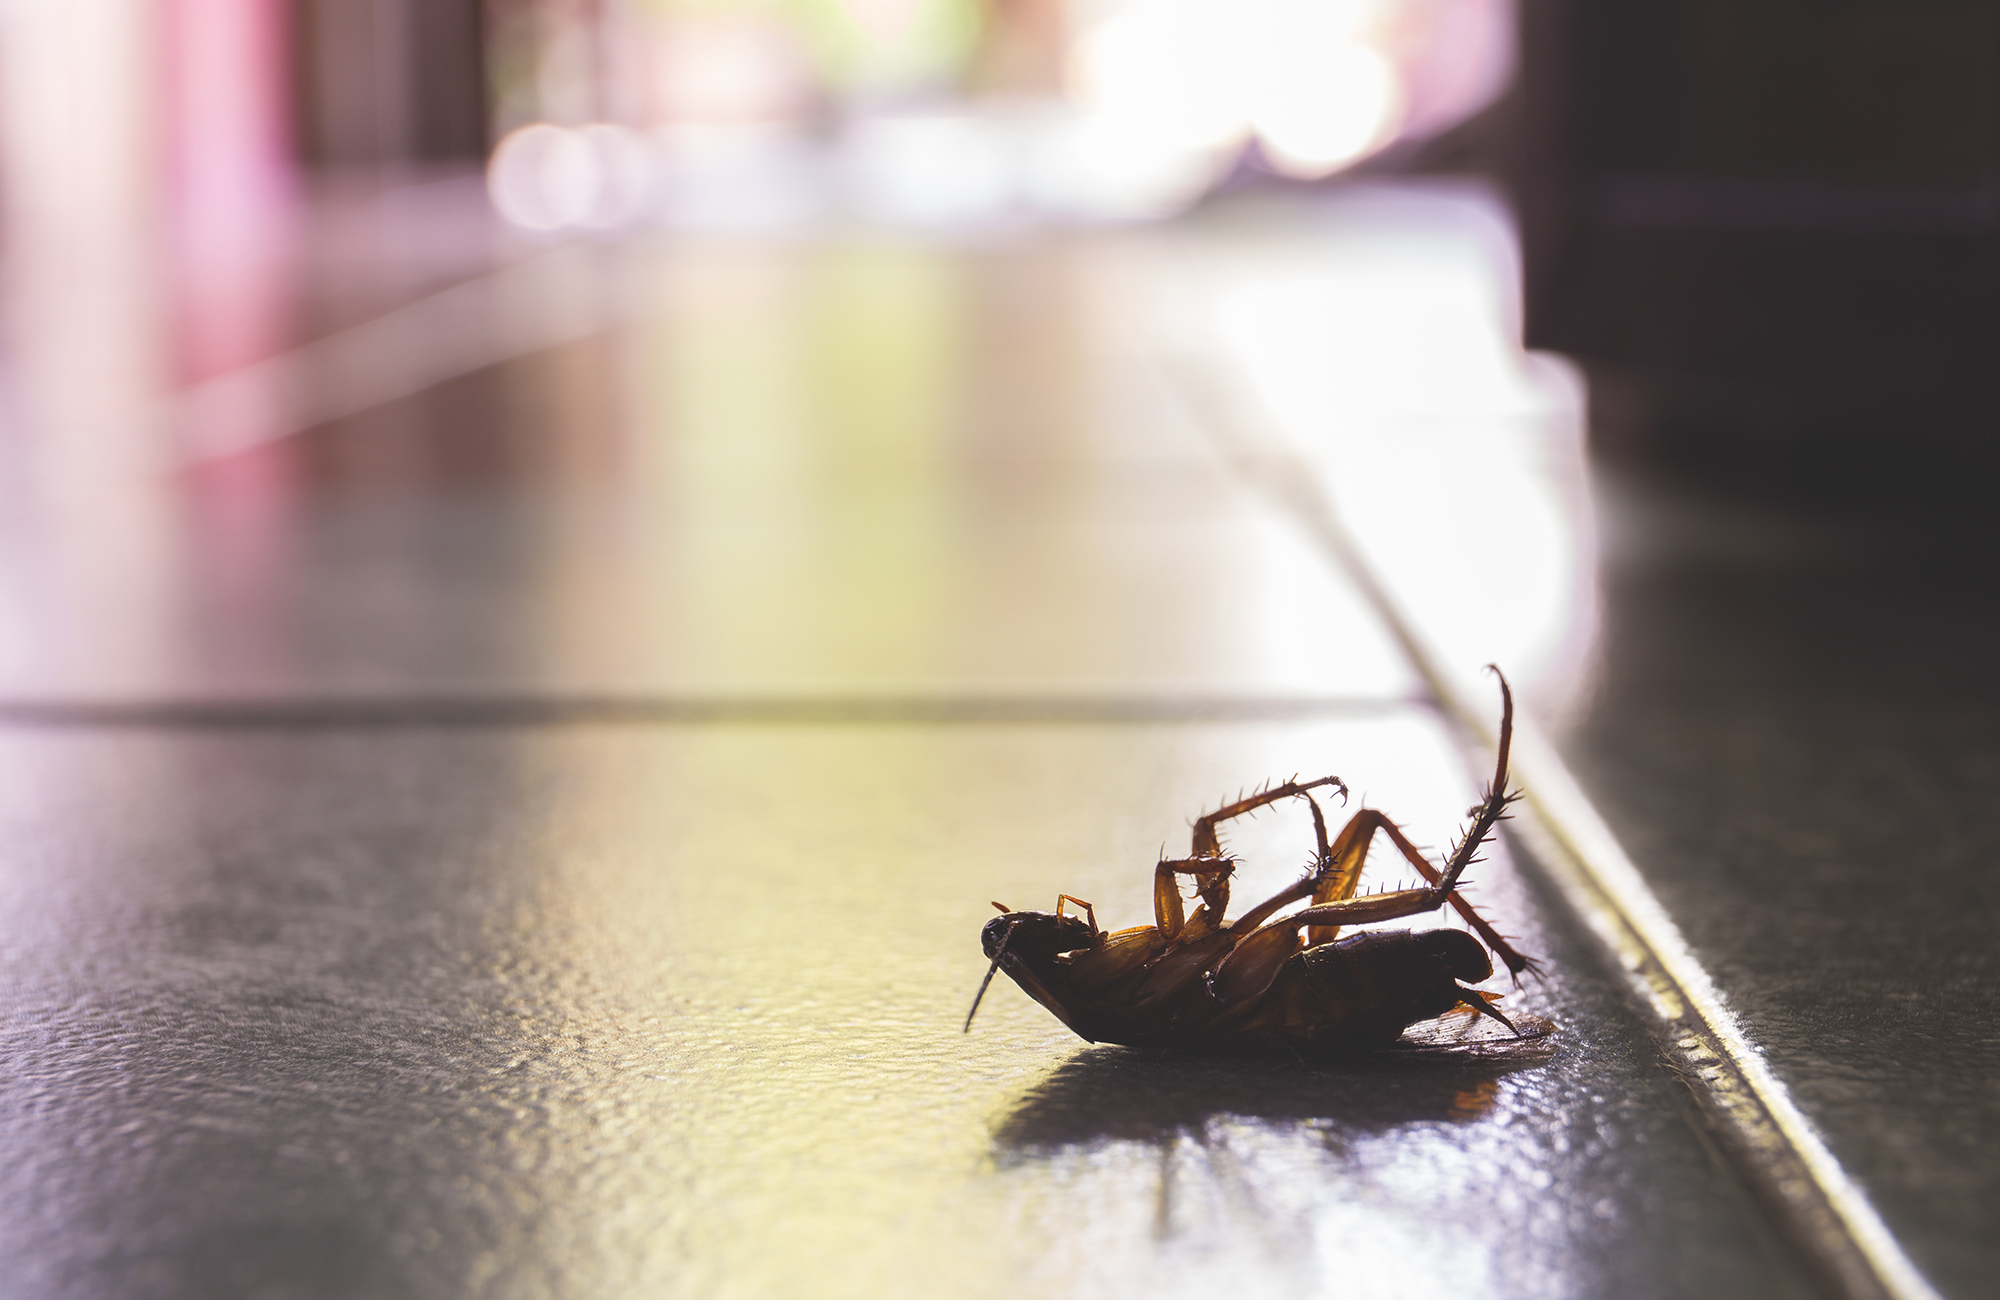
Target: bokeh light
(880, 110)
(1331, 106)
(546, 178)
(1310, 80)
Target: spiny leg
(1514, 960)
(1273, 944)
(1193, 943)
(1254, 961)
(1291, 893)
(1207, 845)
(1340, 868)
(1211, 879)
(1211, 868)
(1319, 832)
(1351, 849)
(1339, 874)
(1486, 816)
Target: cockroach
(1265, 982)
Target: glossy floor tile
(1783, 710)
(844, 467)
(1796, 732)
(523, 829)
(615, 1011)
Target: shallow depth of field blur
(950, 111)
(556, 555)
(736, 236)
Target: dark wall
(1768, 228)
(389, 81)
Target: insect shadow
(1156, 1095)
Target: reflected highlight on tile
(1383, 350)
(528, 832)
(607, 1012)
(796, 468)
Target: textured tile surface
(617, 1011)
(1795, 733)
(374, 1007)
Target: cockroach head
(995, 933)
(1035, 934)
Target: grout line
(393, 712)
(1822, 1212)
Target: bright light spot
(1199, 77)
(546, 177)
(1169, 69)
(1158, 85)
(1390, 359)
(929, 167)
(1162, 97)
(542, 177)
(1109, 166)
(1328, 108)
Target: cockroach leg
(1396, 904)
(1266, 980)
(1211, 877)
(1350, 850)
(1211, 868)
(1478, 1002)
(1255, 960)
(1319, 833)
(1089, 915)
(1506, 952)
(1340, 869)
(1256, 916)
(1208, 845)
(1350, 855)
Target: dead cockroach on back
(1265, 982)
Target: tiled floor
(1795, 731)
(529, 837)
(633, 1010)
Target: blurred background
(456, 456)
(219, 178)
(644, 236)
(1762, 242)
(1766, 236)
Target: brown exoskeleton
(1265, 982)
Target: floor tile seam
(527, 711)
(1820, 1209)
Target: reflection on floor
(511, 812)
(1796, 731)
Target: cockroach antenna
(1264, 981)
(998, 953)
